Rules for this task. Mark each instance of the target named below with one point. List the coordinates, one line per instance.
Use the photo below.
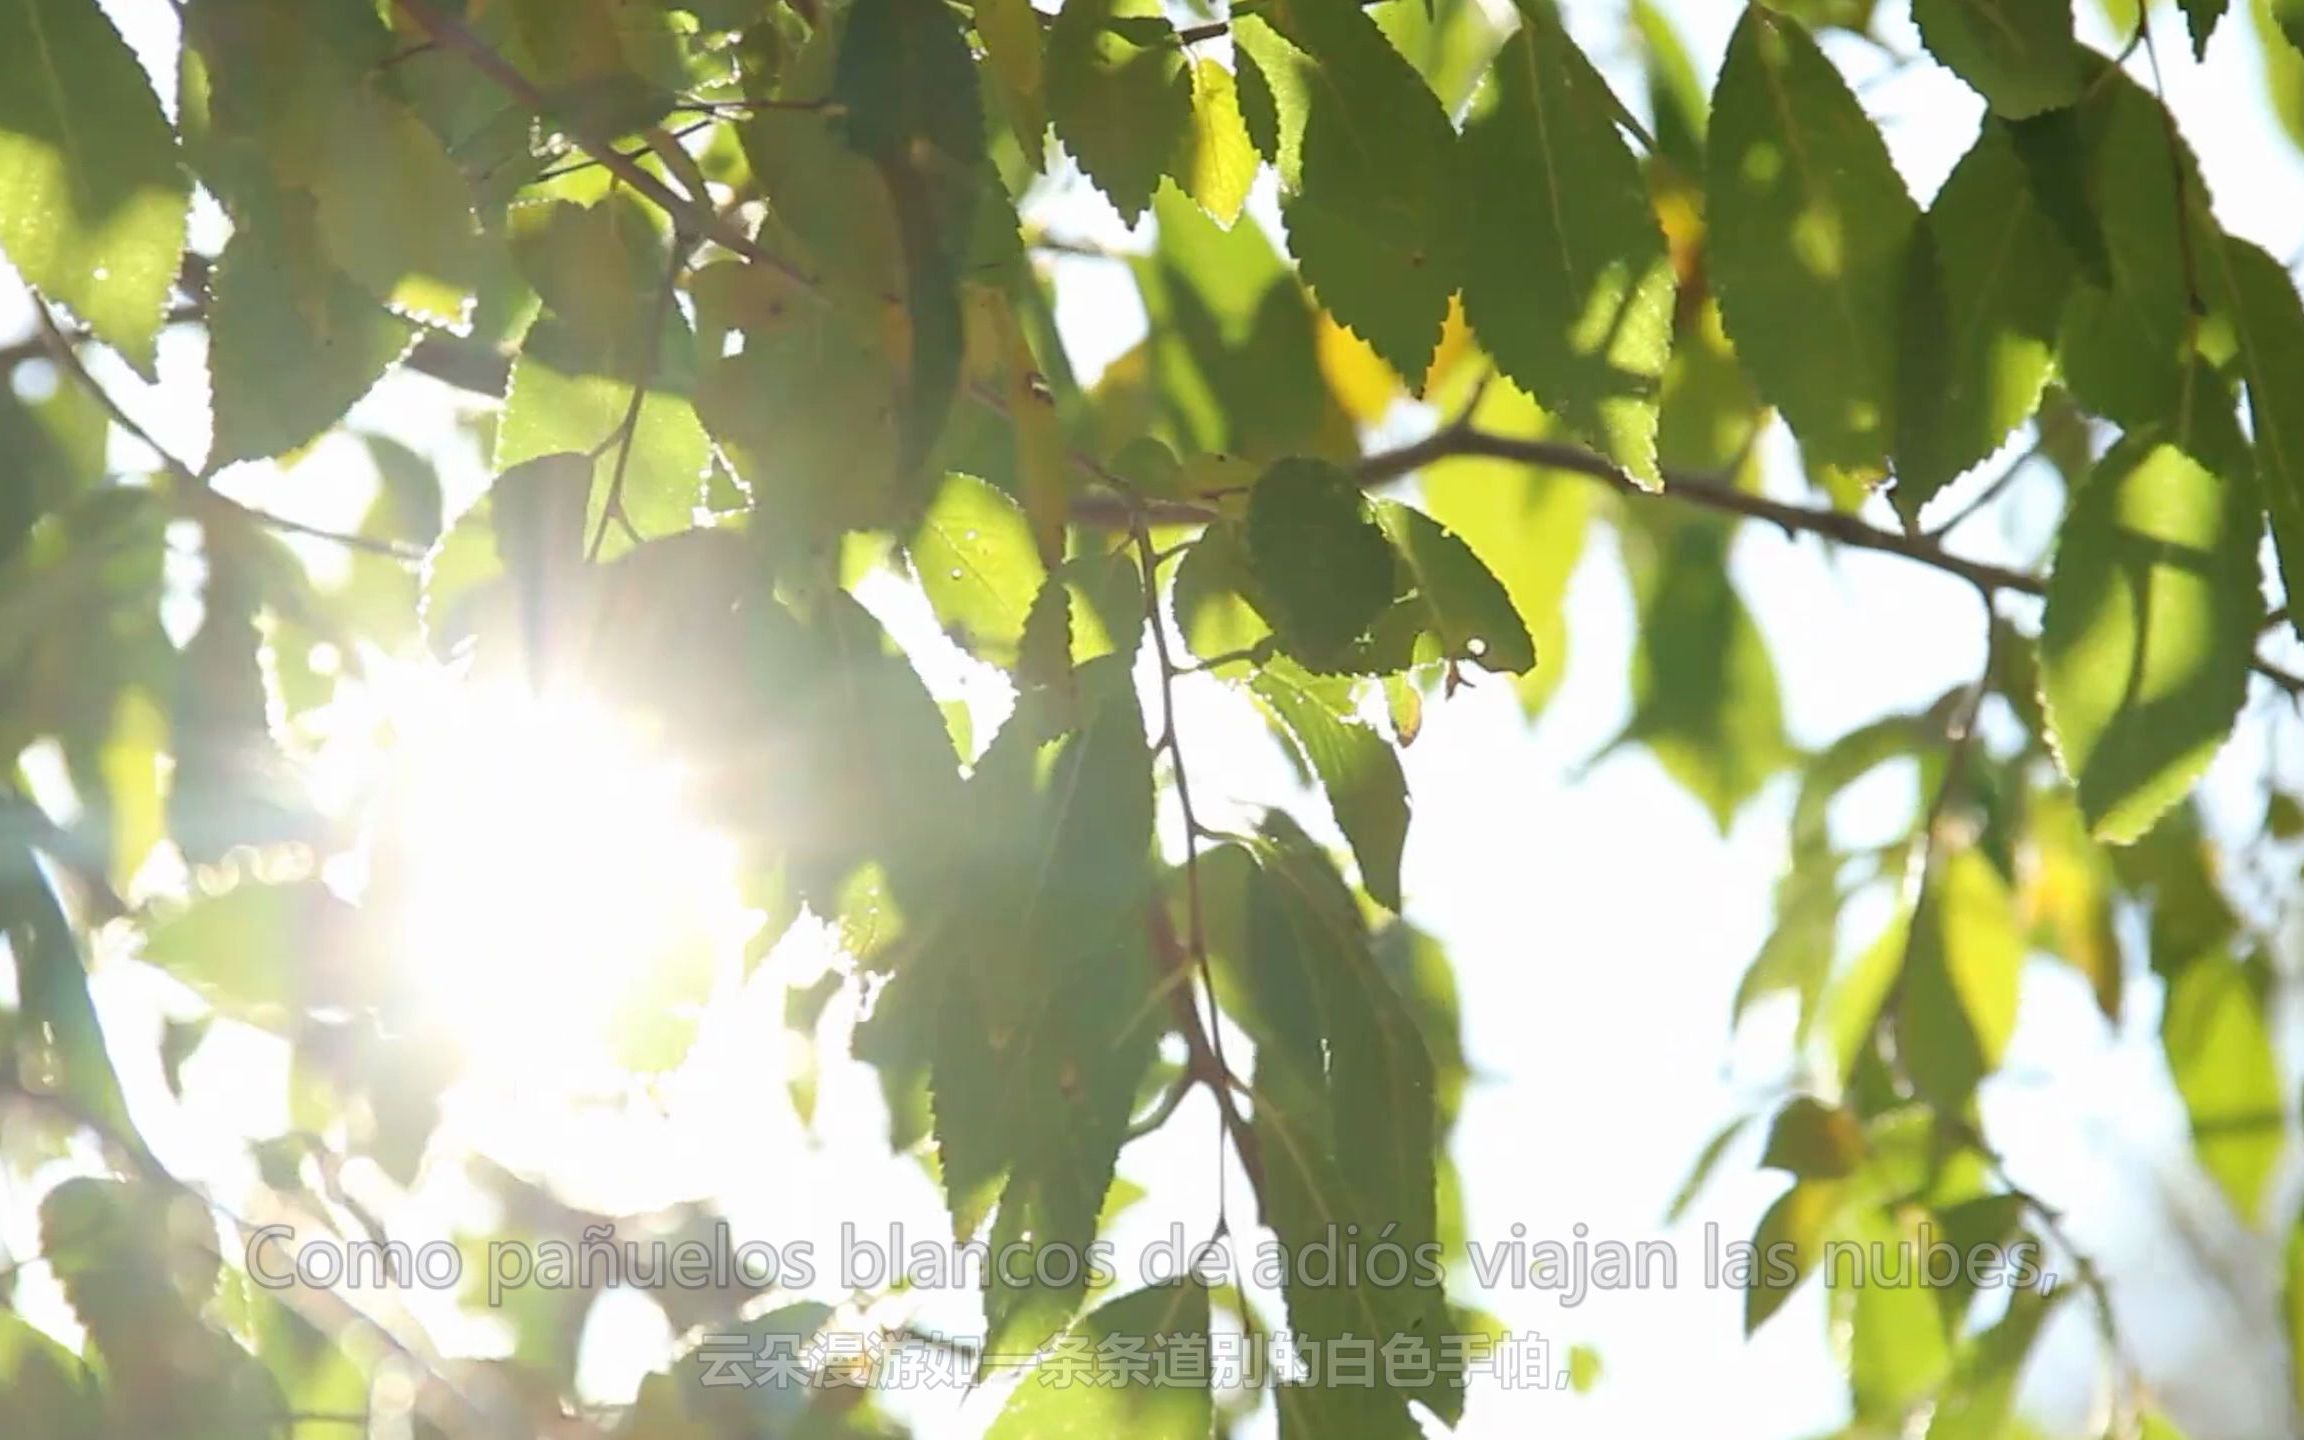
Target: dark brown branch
(1707, 491)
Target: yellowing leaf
(1358, 377)
(1217, 163)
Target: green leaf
(2149, 631)
(1898, 1352)
(548, 411)
(1703, 688)
(2069, 892)
(46, 1384)
(52, 988)
(1814, 1141)
(2289, 16)
(1989, 279)
(975, 558)
(1525, 524)
(907, 83)
(1467, 605)
(1810, 228)
(2259, 301)
(2124, 343)
(1676, 96)
(1961, 973)
(1217, 163)
(1345, 1123)
(1372, 216)
(2292, 1305)
(2283, 69)
(1565, 273)
(2201, 17)
(1323, 568)
(92, 198)
(2018, 54)
(1039, 1010)
(1233, 359)
(395, 213)
(801, 398)
(1082, 1392)
(265, 954)
(1015, 52)
(1981, 1401)
(1788, 1244)
(1356, 766)
(1120, 93)
(56, 449)
(2219, 1047)
(292, 340)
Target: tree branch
(696, 217)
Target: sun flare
(563, 914)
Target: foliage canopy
(748, 304)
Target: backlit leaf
(1120, 92)
(395, 213)
(2018, 54)
(1369, 220)
(1565, 273)
(293, 341)
(1323, 568)
(1218, 161)
(2267, 320)
(1703, 687)
(1989, 279)
(1528, 527)
(2149, 631)
(1357, 767)
(1160, 1403)
(92, 198)
(1960, 978)
(2220, 1055)
(1810, 227)
(1467, 607)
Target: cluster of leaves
(749, 283)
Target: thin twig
(1711, 492)
(199, 498)
(697, 218)
(1986, 496)
(1196, 932)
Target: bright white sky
(1597, 921)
